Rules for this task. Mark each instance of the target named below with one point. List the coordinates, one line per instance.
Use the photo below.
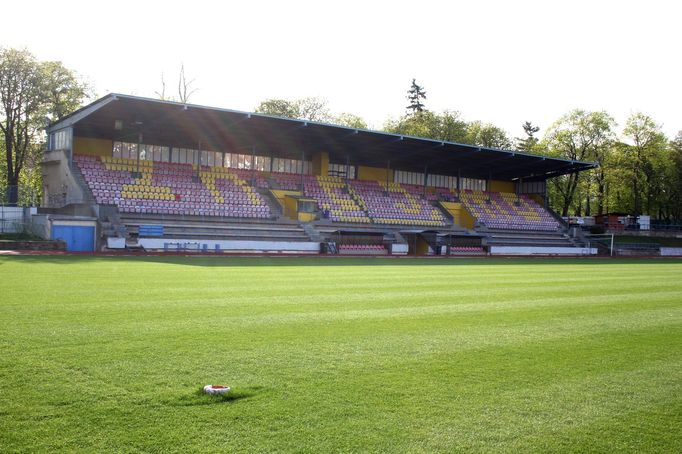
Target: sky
(503, 62)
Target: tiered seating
(396, 206)
(365, 249)
(442, 194)
(288, 181)
(240, 199)
(258, 178)
(502, 212)
(433, 194)
(167, 188)
(105, 183)
(331, 195)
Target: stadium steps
(562, 222)
(271, 200)
(88, 197)
(528, 238)
(312, 232)
(215, 229)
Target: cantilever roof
(188, 126)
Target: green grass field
(338, 355)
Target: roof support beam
(181, 125)
(81, 114)
(486, 165)
(522, 165)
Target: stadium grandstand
(127, 172)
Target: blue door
(78, 238)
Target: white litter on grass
(216, 389)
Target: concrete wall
(321, 163)
(280, 195)
(290, 207)
(399, 249)
(98, 147)
(374, 173)
(59, 186)
(502, 186)
(459, 214)
(40, 225)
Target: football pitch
(109, 354)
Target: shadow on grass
(199, 398)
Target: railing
(16, 220)
(673, 226)
(61, 200)
(603, 242)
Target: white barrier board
(229, 245)
(538, 250)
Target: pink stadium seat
(170, 188)
(498, 210)
(397, 204)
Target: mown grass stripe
(339, 355)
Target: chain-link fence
(17, 221)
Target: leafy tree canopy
(530, 141)
(32, 94)
(447, 126)
(310, 108)
(579, 135)
(487, 135)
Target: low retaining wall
(671, 251)
(537, 250)
(175, 244)
(399, 249)
(25, 245)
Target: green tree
(669, 176)
(310, 108)
(602, 154)
(580, 136)
(674, 188)
(415, 95)
(527, 143)
(350, 120)
(447, 126)
(278, 108)
(487, 135)
(314, 109)
(32, 93)
(646, 143)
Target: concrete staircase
(211, 228)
